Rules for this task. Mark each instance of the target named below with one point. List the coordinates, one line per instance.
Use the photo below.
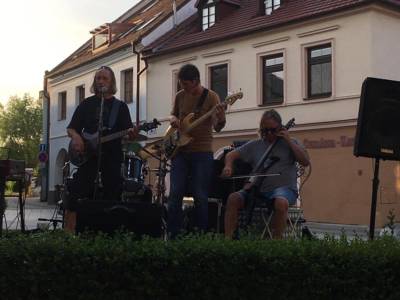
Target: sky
(39, 34)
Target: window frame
(175, 84)
(307, 67)
(207, 7)
(78, 98)
(260, 77)
(274, 6)
(124, 85)
(62, 106)
(210, 68)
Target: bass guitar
(91, 142)
(176, 138)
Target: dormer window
(104, 35)
(101, 37)
(271, 5)
(208, 14)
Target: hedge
(61, 266)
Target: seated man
(278, 191)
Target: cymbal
(149, 150)
(140, 138)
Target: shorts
(282, 192)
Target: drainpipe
(46, 100)
(138, 73)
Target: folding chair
(295, 216)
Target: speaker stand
(375, 185)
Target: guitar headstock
(233, 97)
(147, 126)
(290, 124)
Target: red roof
(246, 19)
(84, 54)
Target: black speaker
(378, 129)
(108, 217)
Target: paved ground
(34, 209)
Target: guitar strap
(114, 113)
(201, 101)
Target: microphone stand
(97, 182)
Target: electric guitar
(91, 142)
(175, 138)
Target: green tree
(21, 128)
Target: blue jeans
(198, 166)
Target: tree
(21, 128)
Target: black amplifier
(138, 217)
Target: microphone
(102, 89)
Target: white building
(117, 45)
(305, 58)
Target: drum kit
(135, 169)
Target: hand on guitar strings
(283, 133)
(77, 144)
(174, 121)
(227, 171)
(133, 133)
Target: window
(62, 106)
(271, 5)
(127, 77)
(100, 39)
(175, 82)
(319, 71)
(272, 79)
(80, 94)
(219, 80)
(208, 14)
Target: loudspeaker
(378, 133)
(108, 217)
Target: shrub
(62, 266)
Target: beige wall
(339, 190)
(352, 62)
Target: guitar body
(90, 147)
(177, 138)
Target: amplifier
(12, 167)
(137, 217)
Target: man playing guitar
(280, 191)
(86, 119)
(196, 158)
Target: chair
(295, 218)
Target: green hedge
(61, 266)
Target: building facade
(117, 45)
(306, 59)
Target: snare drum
(132, 168)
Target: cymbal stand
(161, 173)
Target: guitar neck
(114, 136)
